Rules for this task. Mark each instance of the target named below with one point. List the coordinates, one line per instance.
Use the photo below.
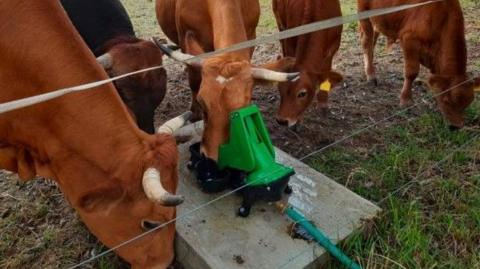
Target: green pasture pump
(250, 149)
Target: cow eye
(148, 224)
(302, 93)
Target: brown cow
(313, 53)
(441, 50)
(106, 28)
(226, 81)
(118, 178)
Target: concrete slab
(216, 238)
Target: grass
(433, 224)
(267, 23)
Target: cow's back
(437, 46)
(98, 21)
(196, 16)
(321, 44)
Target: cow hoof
(293, 128)
(324, 111)
(454, 128)
(406, 102)
(372, 81)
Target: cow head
(454, 96)
(227, 86)
(119, 207)
(143, 92)
(227, 83)
(296, 96)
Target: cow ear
(100, 198)
(282, 64)
(335, 77)
(332, 78)
(438, 83)
(192, 46)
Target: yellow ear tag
(477, 89)
(326, 86)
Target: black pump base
(268, 193)
(212, 180)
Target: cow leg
(412, 67)
(8, 158)
(192, 46)
(368, 38)
(194, 80)
(18, 161)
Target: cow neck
(453, 49)
(228, 26)
(93, 127)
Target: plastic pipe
(321, 239)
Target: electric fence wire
(296, 31)
(355, 133)
(408, 184)
(391, 194)
(202, 206)
(248, 44)
(369, 126)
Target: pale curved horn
(178, 55)
(154, 190)
(105, 60)
(194, 129)
(174, 124)
(266, 74)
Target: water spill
(306, 180)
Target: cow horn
(105, 60)
(174, 124)
(154, 190)
(266, 74)
(177, 55)
(191, 130)
(183, 57)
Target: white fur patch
(222, 79)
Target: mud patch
(238, 259)
(296, 231)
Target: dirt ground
(38, 229)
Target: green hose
(321, 238)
